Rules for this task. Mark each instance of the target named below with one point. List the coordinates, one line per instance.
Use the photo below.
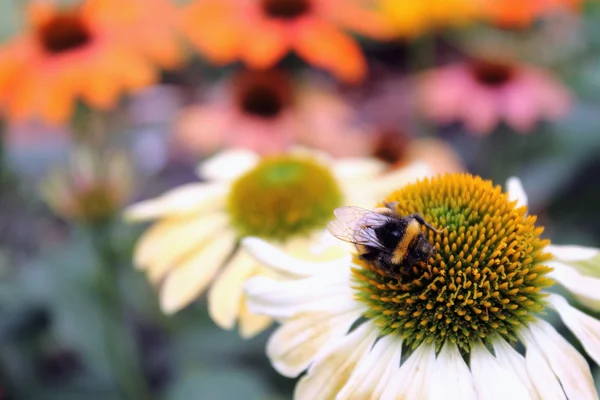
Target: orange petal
(366, 22)
(325, 46)
(56, 103)
(38, 12)
(264, 44)
(212, 27)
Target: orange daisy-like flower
(521, 13)
(261, 32)
(93, 52)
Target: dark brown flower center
(491, 73)
(391, 145)
(263, 94)
(63, 33)
(286, 9)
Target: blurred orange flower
(267, 112)
(94, 51)
(412, 18)
(484, 93)
(520, 13)
(262, 32)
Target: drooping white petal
(190, 279)
(374, 371)
(278, 260)
(227, 165)
(509, 358)
(413, 380)
(195, 198)
(451, 378)
(515, 190)
(330, 372)
(168, 243)
(585, 288)
(284, 299)
(300, 340)
(226, 292)
(539, 371)
(572, 253)
(357, 168)
(583, 326)
(492, 380)
(567, 364)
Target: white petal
(583, 326)
(358, 168)
(226, 293)
(372, 192)
(568, 365)
(299, 340)
(284, 299)
(374, 371)
(227, 165)
(585, 288)
(451, 376)
(509, 358)
(573, 253)
(275, 258)
(188, 281)
(169, 242)
(252, 324)
(413, 380)
(492, 380)
(183, 200)
(539, 371)
(330, 372)
(515, 190)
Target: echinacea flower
(481, 94)
(92, 52)
(518, 13)
(93, 188)
(262, 32)
(268, 112)
(415, 18)
(286, 199)
(448, 328)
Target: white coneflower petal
(413, 380)
(252, 324)
(330, 372)
(584, 327)
(294, 345)
(541, 375)
(572, 253)
(358, 168)
(585, 288)
(186, 199)
(509, 358)
(190, 278)
(280, 261)
(515, 190)
(372, 374)
(169, 242)
(332, 293)
(452, 379)
(226, 292)
(568, 365)
(227, 165)
(492, 380)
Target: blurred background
(108, 102)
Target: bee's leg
(422, 221)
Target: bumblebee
(393, 244)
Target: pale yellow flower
(288, 199)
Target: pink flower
(482, 94)
(267, 112)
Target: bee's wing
(356, 225)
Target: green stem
(132, 383)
